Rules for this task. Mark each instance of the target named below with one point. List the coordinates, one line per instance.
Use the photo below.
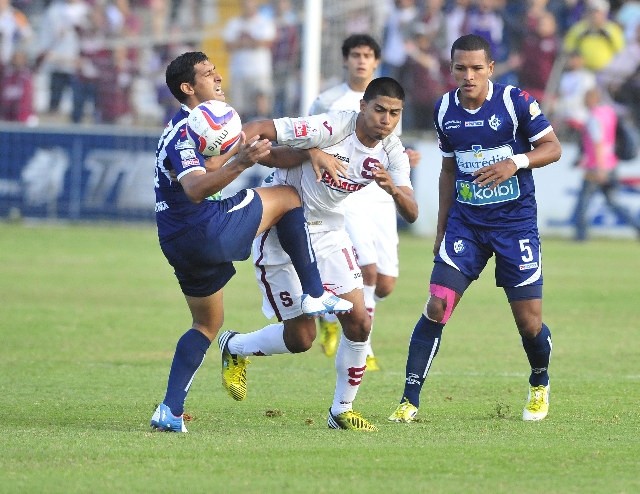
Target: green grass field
(89, 318)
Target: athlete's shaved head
(383, 86)
(180, 70)
(472, 42)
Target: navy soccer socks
(538, 352)
(190, 352)
(423, 347)
(295, 241)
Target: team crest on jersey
(534, 109)
(459, 246)
(301, 128)
(495, 122)
(474, 123)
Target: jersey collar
(185, 108)
(489, 93)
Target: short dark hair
(472, 42)
(181, 69)
(383, 86)
(356, 40)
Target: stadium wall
(101, 173)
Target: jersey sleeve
(183, 155)
(399, 167)
(446, 149)
(315, 131)
(530, 118)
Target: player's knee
(299, 339)
(440, 304)
(356, 328)
(530, 328)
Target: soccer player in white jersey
(364, 142)
(371, 214)
(491, 136)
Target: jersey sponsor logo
(459, 246)
(301, 128)
(470, 193)
(190, 162)
(534, 110)
(187, 154)
(529, 265)
(495, 122)
(342, 158)
(452, 124)
(474, 123)
(161, 206)
(342, 184)
(525, 95)
(314, 223)
(477, 157)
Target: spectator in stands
(599, 162)
(569, 107)
(397, 31)
(628, 16)
(248, 39)
(435, 25)
(456, 22)
(596, 37)
(60, 45)
(424, 77)
(622, 77)
(16, 91)
(14, 29)
(539, 51)
(286, 59)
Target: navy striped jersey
(506, 124)
(175, 213)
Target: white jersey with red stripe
(335, 134)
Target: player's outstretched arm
(545, 150)
(403, 196)
(265, 129)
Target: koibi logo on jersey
(495, 122)
(470, 193)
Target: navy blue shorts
(518, 254)
(202, 257)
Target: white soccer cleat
(326, 303)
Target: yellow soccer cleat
(372, 363)
(537, 406)
(350, 420)
(405, 412)
(328, 336)
(234, 369)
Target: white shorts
(373, 228)
(279, 282)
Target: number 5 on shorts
(524, 247)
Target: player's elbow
(410, 216)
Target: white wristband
(521, 160)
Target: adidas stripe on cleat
(234, 368)
(326, 303)
(350, 420)
(405, 412)
(165, 421)
(537, 406)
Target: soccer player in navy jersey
(491, 136)
(201, 235)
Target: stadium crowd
(107, 57)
